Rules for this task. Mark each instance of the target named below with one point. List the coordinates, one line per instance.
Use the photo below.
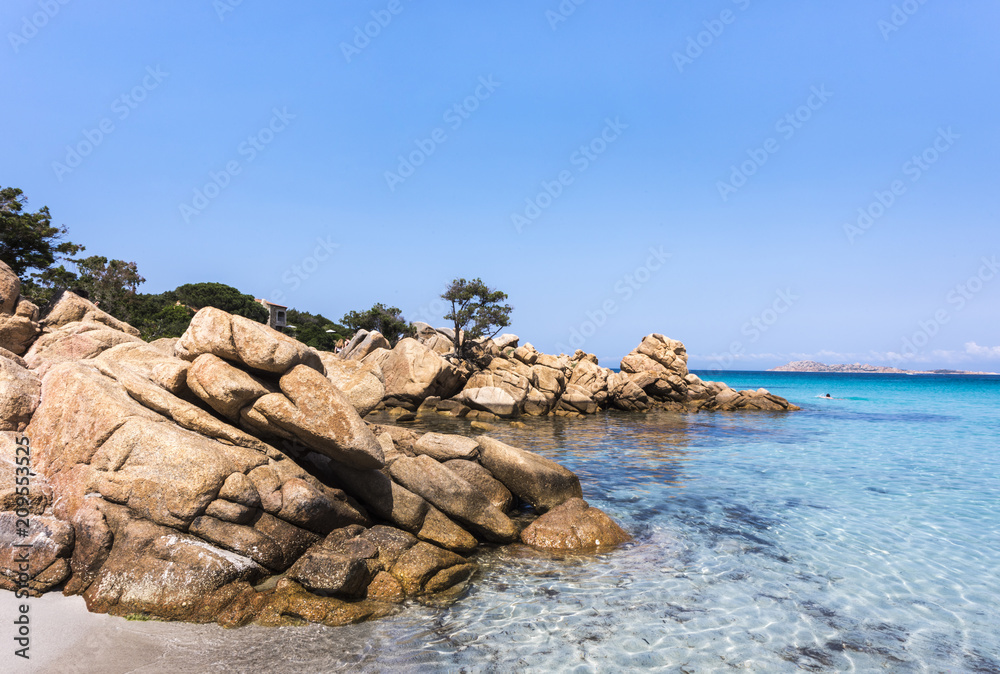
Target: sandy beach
(65, 637)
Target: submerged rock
(574, 525)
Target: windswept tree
(29, 242)
(476, 311)
(112, 285)
(387, 320)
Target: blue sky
(618, 169)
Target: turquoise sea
(860, 534)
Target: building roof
(271, 304)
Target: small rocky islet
(230, 475)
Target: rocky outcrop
(362, 383)
(73, 342)
(71, 308)
(414, 372)
(154, 361)
(228, 475)
(10, 289)
(532, 478)
(18, 317)
(20, 390)
(492, 399)
(455, 497)
(224, 388)
(362, 344)
(518, 380)
(243, 342)
(315, 412)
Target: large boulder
(341, 565)
(18, 316)
(665, 361)
(534, 479)
(71, 308)
(577, 400)
(625, 394)
(363, 343)
(314, 411)
(155, 361)
(392, 502)
(574, 525)
(225, 388)
(75, 341)
(10, 289)
(423, 331)
(512, 376)
(491, 399)
(441, 447)
(481, 479)
(659, 354)
(526, 353)
(20, 391)
(425, 568)
(538, 404)
(551, 381)
(761, 399)
(414, 372)
(18, 331)
(592, 379)
(243, 342)
(48, 543)
(453, 496)
(362, 383)
(439, 344)
(507, 340)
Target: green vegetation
(37, 252)
(220, 296)
(476, 310)
(387, 320)
(112, 285)
(168, 314)
(31, 246)
(315, 330)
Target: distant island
(813, 366)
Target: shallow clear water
(862, 533)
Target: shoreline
(66, 637)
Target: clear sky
(695, 169)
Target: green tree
(220, 296)
(316, 330)
(168, 314)
(387, 320)
(476, 310)
(155, 316)
(29, 242)
(112, 285)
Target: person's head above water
(827, 395)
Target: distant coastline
(859, 368)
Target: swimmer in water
(828, 395)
